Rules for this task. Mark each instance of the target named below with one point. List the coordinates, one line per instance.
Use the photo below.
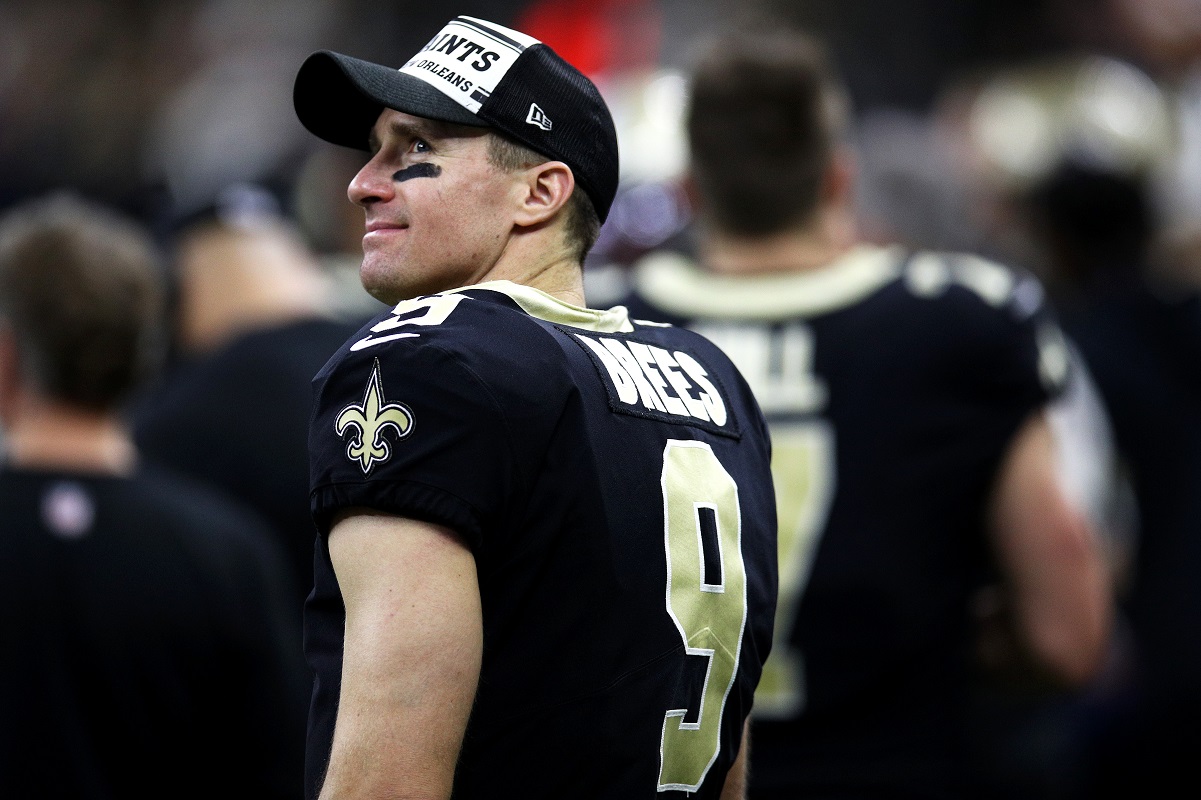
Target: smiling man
(547, 556)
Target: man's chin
(380, 283)
(391, 293)
(392, 286)
(383, 295)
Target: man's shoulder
(154, 501)
(471, 359)
(972, 283)
(466, 336)
(460, 321)
(674, 287)
(298, 345)
(213, 527)
(196, 506)
(866, 280)
(492, 353)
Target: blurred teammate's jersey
(147, 650)
(613, 483)
(237, 419)
(892, 383)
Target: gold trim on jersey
(538, 303)
(679, 286)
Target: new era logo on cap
(537, 117)
(467, 59)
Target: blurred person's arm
(736, 778)
(414, 639)
(1092, 471)
(1055, 610)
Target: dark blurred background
(159, 106)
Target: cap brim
(339, 98)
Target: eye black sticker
(421, 170)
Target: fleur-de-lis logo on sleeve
(367, 423)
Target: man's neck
(800, 249)
(236, 281)
(529, 262)
(48, 435)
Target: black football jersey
(613, 483)
(892, 383)
(238, 419)
(148, 648)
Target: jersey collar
(538, 303)
(679, 286)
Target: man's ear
(838, 183)
(546, 188)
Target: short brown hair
(764, 113)
(81, 287)
(583, 224)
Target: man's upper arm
(412, 654)
(1055, 573)
(736, 779)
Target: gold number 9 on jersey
(706, 598)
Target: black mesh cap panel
(582, 133)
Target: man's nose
(372, 184)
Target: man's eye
(421, 146)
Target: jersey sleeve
(1022, 357)
(409, 429)
(998, 357)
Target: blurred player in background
(148, 649)
(255, 320)
(1106, 213)
(913, 458)
(1133, 302)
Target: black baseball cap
(476, 73)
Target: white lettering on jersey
(437, 308)
(371, 341)
(646, 392)
(627, 392)
(651, 378)
(776, 362)
(670, 367)
(646, 360)
(710, 397)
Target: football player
(149, 647)
(547, 555)
(906, 394)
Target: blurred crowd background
(1058, 136)
(960, 105)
